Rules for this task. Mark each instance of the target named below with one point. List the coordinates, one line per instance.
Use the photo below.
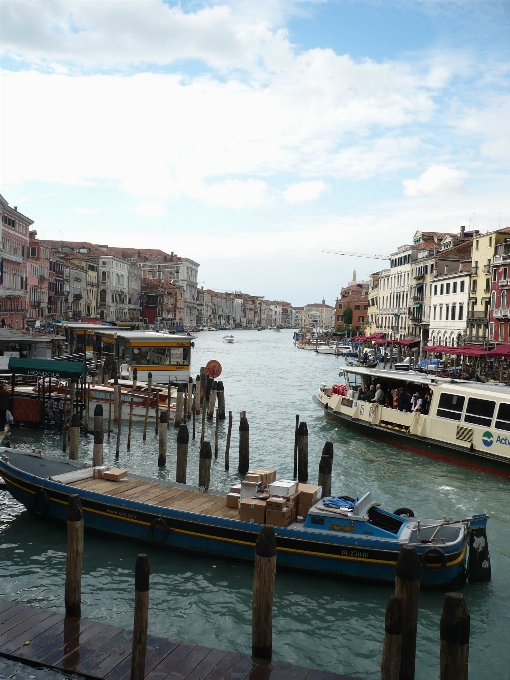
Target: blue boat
(351, 538)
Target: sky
(251, 136)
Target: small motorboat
(342, 536)
(228, 338)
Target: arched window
(503, 299)
(493, 299)
(103, 277)
(459, 339)
(102, 296)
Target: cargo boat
(362, 541)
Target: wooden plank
(189, 504)
(5, 605)
(171, 501)
(229, 661)
(123, 644)
(73, 634)
(172, 660)
(35, 629)
(123, 669)
(241, 670)
(130, 494)
(149, 496)
(71, 653)
(290, 672)
(186, 668)
(209, 509)
(91, 650)
(208, 664)
(170, 493)
(19, 624)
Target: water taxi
(465, 422)
(228, 338)
(346, 537)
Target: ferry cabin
(468, 422)
(164, 355)
(80, 336)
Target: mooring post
(74, 437)
(216, 434)
(163, 439)
(220, 395)
(296, 435)
(97, 452)
(302, 453)
(407, 587)
(64, 420)
(203, 386)
(130, 426)
(212, 401)
(194, 415)
(178, 406)
(141, 618)
(135, 378)
(263, 592)
(244, 445)
(325, 475)
(116, 400)
(147, 407)
(202, 434)
(74, 556)
(156, 426)
(119, 427)
(204, 469)
(168, 402)
(109, 414)
(454, 634)
(181, 466)
(392, 647)
(197, 395)
(328, 451)
(227, 447)
(190, 397)
(184, 404)
(87, 406)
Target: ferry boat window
(479, 411)
(450, 406)
(180, 356)
(151, 356)
(503, 419)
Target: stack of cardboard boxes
(263, 500)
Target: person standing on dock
(5, 404)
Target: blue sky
(250, 136)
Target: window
(454, 287)
(503, 418)
(505, 272)
(479, 411)
(356, 307)
(477, 244)
(435, 309)
(340, 305)
(361, 319)
(462, 286)
(473, 286)
(487, 285)
(490, 241)
(447, 312)
(440, 312)
(435, 289)
(461, 312)
(493, 299)
(102, 296)
(494, 274)
(441, 290)
(448, 289)
(503, 299)
(33, 251)
(339, 318)
(450, 406)
(501, 331)
(452, 315)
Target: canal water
(318, 622)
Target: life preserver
(404, 512)
(432, 557)
(159, 530)
(41, 503)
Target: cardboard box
(98, 472)
(309, 494)
(279, 518)
(253, 477)
(293, 500)
(253, 511)
(248, 489)
(115, 474)
(233, 500)
(268, 474)
(282, 487)
(276, 503)
(235, 488)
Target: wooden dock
(46, 638)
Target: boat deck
(176, 498)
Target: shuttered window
(450, 406)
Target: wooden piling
(87, 406)
(194, 415)
(64, 419)
(119, 427)
(147, 407)
(182, 454)
(197, 395)
(141, 618)
(244, 446)
(203, 386)
(130, 425)
(220, 395)
(184, 404)
(392, 647)
(204, 469)
(178, 406)
(454, 635)
(202, 434)
(216, 434)
(168, 401)
(328, 450)
(97, 453)
(74, 437)
(163, 439)
(156, 426)
(135, 378)
(212, 401)
(302, 453)
(296, 434)
(407, 587)
(227, 447)
(116, 400)
(74, 561)
(263, 592)
(325, 475)
(109, 414)
(190, 398)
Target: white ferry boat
(465, 422)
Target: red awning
(359, 338)
(502, 351)
(407, 343)
(376, 336)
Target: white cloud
(437, 179)
(305, 192)
(235, 194)
(87, 211)
(150, 209)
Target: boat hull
(317, 551)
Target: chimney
(462, 231)
(446, 269)
(461, 266)
(16, 208)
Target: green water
(318, 622)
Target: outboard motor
(479, 564)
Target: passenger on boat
(404, 400)
(379, 395)
(426, 402)
(416, 402)
(394, 395)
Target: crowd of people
(408, 398)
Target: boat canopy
(48, 368)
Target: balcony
(35, 303)
(486, 268)
(12, 258)
(479, 316)
(502, 257)
(416, 319)
(11, 292)
(77, 297)
(42, 278)
(502, 313)
(503, 283)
